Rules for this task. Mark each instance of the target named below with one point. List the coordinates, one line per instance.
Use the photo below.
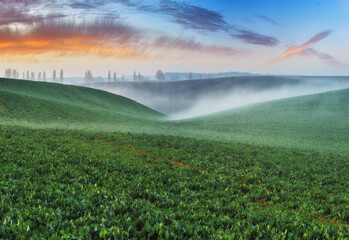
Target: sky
(260, 36)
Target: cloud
(255, 38)
(186, 15)
(11, 15)
(191, 45)
(293, 50)
(323, 56)
(193, 17)
(269, 20)
(103, 38)
(202, 19)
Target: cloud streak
(255, 38)
(293, 50)
(103, 38)
(198, 18)
(184, 14)
(322, 56)
(191, 45)
(269, 20)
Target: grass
(82, 163)
(316, 122)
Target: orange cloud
(101, 39)
(298, 49)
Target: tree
(32, 76)
(14, 73)
(54, 76)
(88, 76)
(160, 76)
(122, 78)
(39, 76)
(114, 77)
(190, 76)
(8, 73)
(61, 76)
(27, 75)
(109, 76)
(134, 76)
(44, 76)
(23, 76)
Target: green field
(82, 163)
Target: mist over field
(186, 99)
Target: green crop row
(63, 184)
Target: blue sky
(277, 37)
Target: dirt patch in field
(135, 150)
(183, 165)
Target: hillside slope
(30, 103)
(179, 97)
(318, 121)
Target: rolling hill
(313, 122)
(83, 163)
(176, 97)
(55, 105)
(317, 122)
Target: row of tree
(41, 76)
(159, 76)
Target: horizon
(188, 36)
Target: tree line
(88, 77)
(40, 76)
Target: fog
(238, 98)
(187, 99)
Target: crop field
(78, 163)
(74, 184)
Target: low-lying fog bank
(186, 99)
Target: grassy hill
(316, 122)
(173, 97)
(67, 171)
(41, 104)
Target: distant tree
(8, 73)
(114, 77)
(32, 76)
(61, 76)
(88, 76)
(14, 73)
(190, 76)
(160, 76)
(44, 76)
(23, 76)
(54, 76)
(27, 75)
(134, 76)
(39, 76)
(109, 76)
(122, 78)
